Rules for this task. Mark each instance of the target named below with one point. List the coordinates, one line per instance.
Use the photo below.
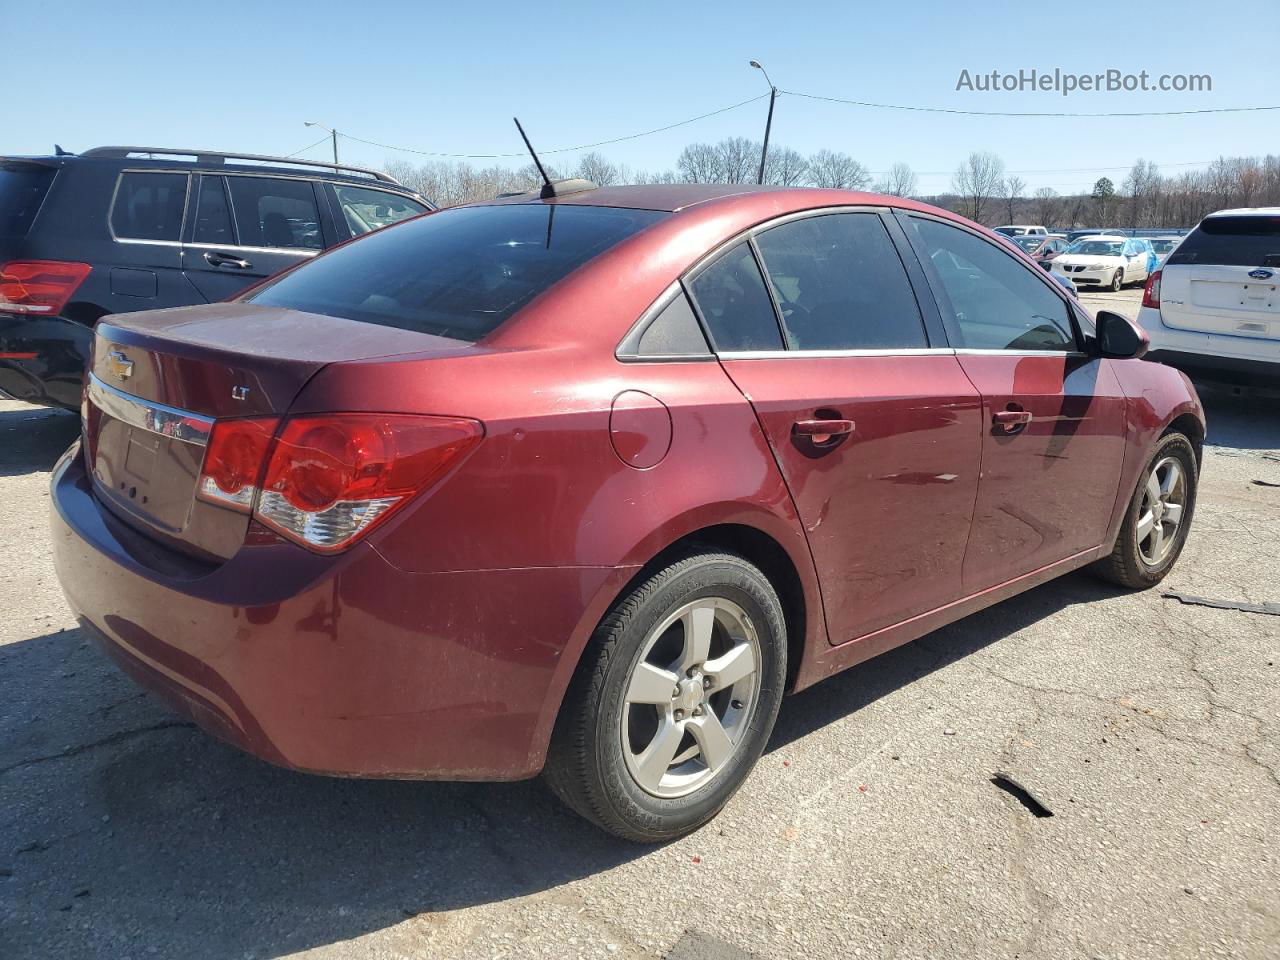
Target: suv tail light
(325, 481)
(1151, 292)
(39, 286)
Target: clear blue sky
(448, 77)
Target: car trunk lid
(160, 380)
(1224, 278)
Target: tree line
(981, 188)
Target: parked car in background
(1074, 235)
(584, 484)
(1213, 308)
(1107, 261)
(1162, 246)
(1021, 230)
(121, 229)
(1042, 249)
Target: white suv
(1214, 307)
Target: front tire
(1117, 281)
(674, 700)
(1156, 524)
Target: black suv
(120, 229)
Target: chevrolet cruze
(582, 482)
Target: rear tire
(1158, 518)
(650, 765)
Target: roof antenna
(548, 189)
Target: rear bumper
(1211, 355)
(346, 665)
(42, 359)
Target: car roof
(1104, 236)
(678, 197)
(1246, 212)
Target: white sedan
(1105, 261)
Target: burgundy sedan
(582, 485)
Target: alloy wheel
(1160, 516)
(690, 697)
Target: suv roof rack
(221, 156)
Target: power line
(290, 156)
(582, 146)
(1006, 113)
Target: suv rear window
(22, 190)
(1248, 241)
(458, 273)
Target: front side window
(458, 273)
(275, 212)
(735, 304)
(996, 303)
(840, 284)
(365, 210)
(149, 206)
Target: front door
(246, 228)
(1053, 416)
(876, 429)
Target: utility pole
(332, 133)
(768, 124)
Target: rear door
(1053, 416)
(245, 228)
(1223, 278)
(142, 269)
(873, 424)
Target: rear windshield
(22, 189)
(1232, 241)
(457, 273)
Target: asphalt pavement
(871, 828)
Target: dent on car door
(1054, 416)
(245, 228)
(876, 434)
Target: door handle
(224, 260)
(823, 431)
(1011, 421)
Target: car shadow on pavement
(126, 830)
(1247, 421)
(32, 439)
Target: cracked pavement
(871, 827)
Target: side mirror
(1120, 338)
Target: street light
(768, 124)
(333, 133)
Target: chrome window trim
(997, 352)
(182, 226)
(293, 251)
(837, 354)
(148, 415)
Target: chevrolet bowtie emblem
(120, 365)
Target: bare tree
(1140, 184)
(899, 181)
(699, 163)
(739, 160)
(1046, 205)
(1011, 189)
(977, 180)
(592, 166)
(785, 167)
(830, 168)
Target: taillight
(234, 461)
(325, 481)
(39, 286)
(1151, 292)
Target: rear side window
(996, 302)
(366, 210)
(459, 273)
(213, 216)
(22, 190)
(149, 206)
(841, 285)
(1248, 241)
(274, 212)
(735, 304)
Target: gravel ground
(871, 827)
